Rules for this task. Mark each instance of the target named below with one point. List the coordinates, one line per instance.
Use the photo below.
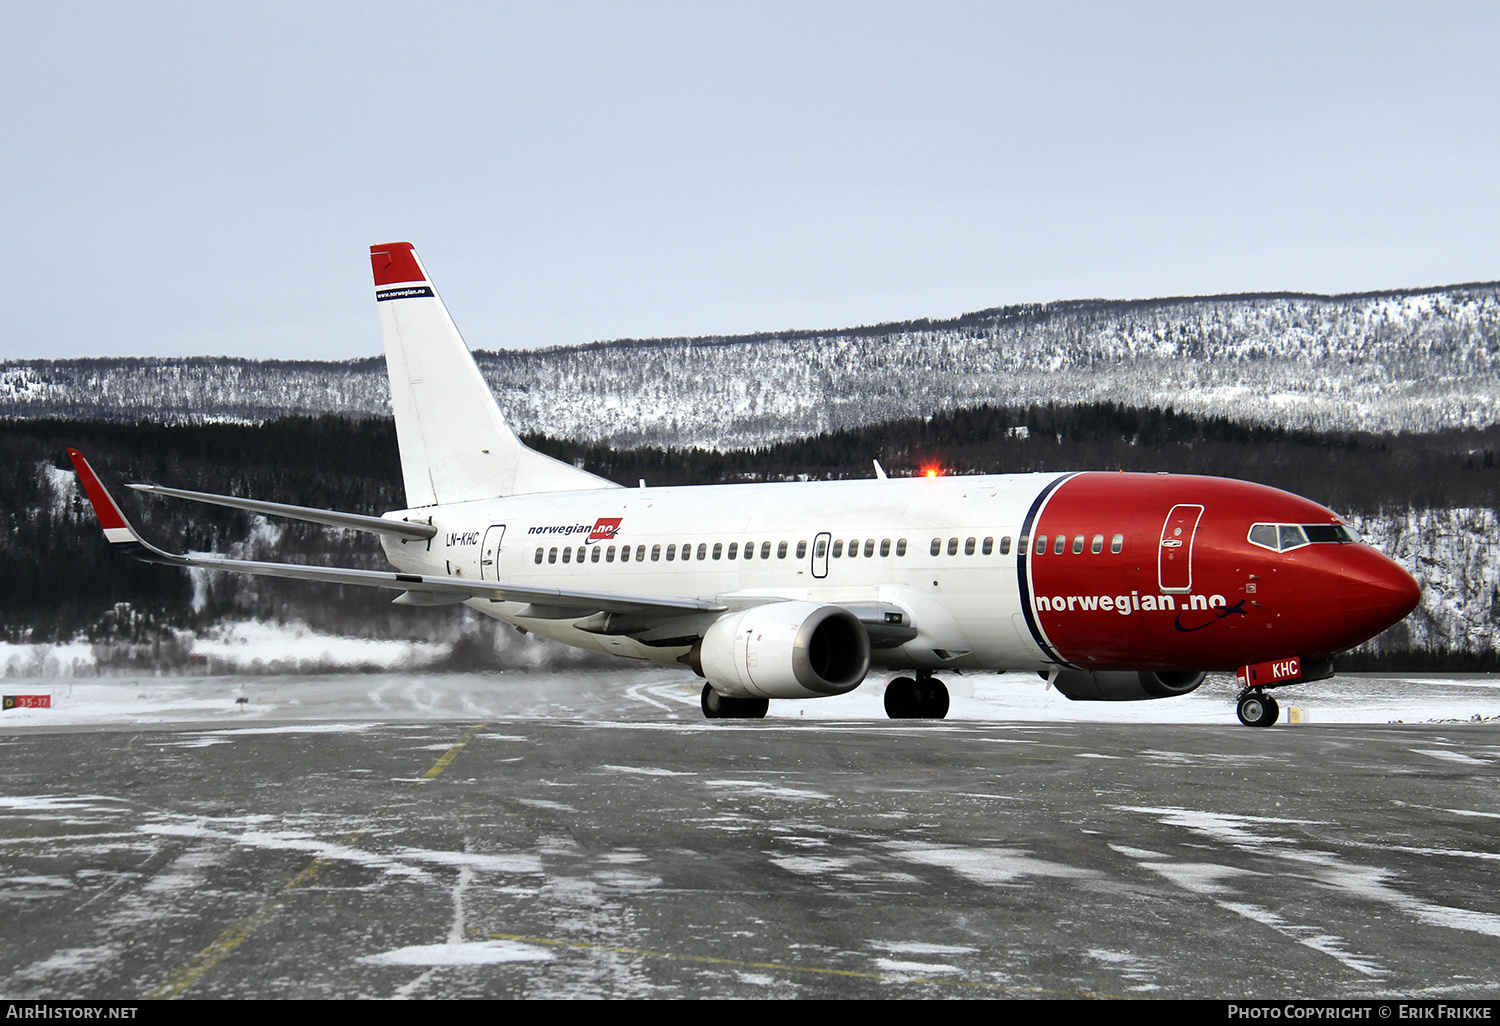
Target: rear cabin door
(1174, 560)
(489, 554)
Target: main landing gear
(722, 707)
(925, 698)
(1257, 709)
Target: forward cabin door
(489, 554)
(1174, 559)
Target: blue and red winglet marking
(116, 528)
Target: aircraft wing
(550, 602)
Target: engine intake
(1126, 685)
(785, 650)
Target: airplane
(1113, 586)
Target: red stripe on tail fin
(395, 263)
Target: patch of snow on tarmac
(489, 952)
(919, 948)
(891, 965)
(993, 867)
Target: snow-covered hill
(1455, 556)
(1415, 360)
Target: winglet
(116, 528)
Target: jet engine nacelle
(1126, 685)
(785, 650)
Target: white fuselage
(965, 605)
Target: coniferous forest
(1425, 498)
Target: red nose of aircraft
(1373, 591)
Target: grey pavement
(641, 854)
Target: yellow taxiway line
(233, 937)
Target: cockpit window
(1329, 533)
(1264, 535)
(1291, 536)
(1285, 537)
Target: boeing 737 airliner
(1115, 587)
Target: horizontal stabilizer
(125, 537)
(331, 518)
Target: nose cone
(1374, 591)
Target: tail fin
(455, 444)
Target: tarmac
(597, 838)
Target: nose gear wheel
(1257, 709)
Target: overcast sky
(206, 178)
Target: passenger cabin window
(869, 547)
(885, 547)
(952, 546)
(969, 546)
(801, 549)
(937, 546)
(594, 556)
(765, 550)
(1097, 545)
(988, 546)
(1059, 545)
(1005, 545)
(567, 553)
(671, 552)
(1041, 544)
(838, 548)
(538, 555)
(901, 547)
(703, 550)
(1117, 543)
(552, 554)
(1077, 544)
(655, 553)
(781, 551)
(734, 550)
(821, 548)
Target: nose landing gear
(925, 698)
(1257, 709)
